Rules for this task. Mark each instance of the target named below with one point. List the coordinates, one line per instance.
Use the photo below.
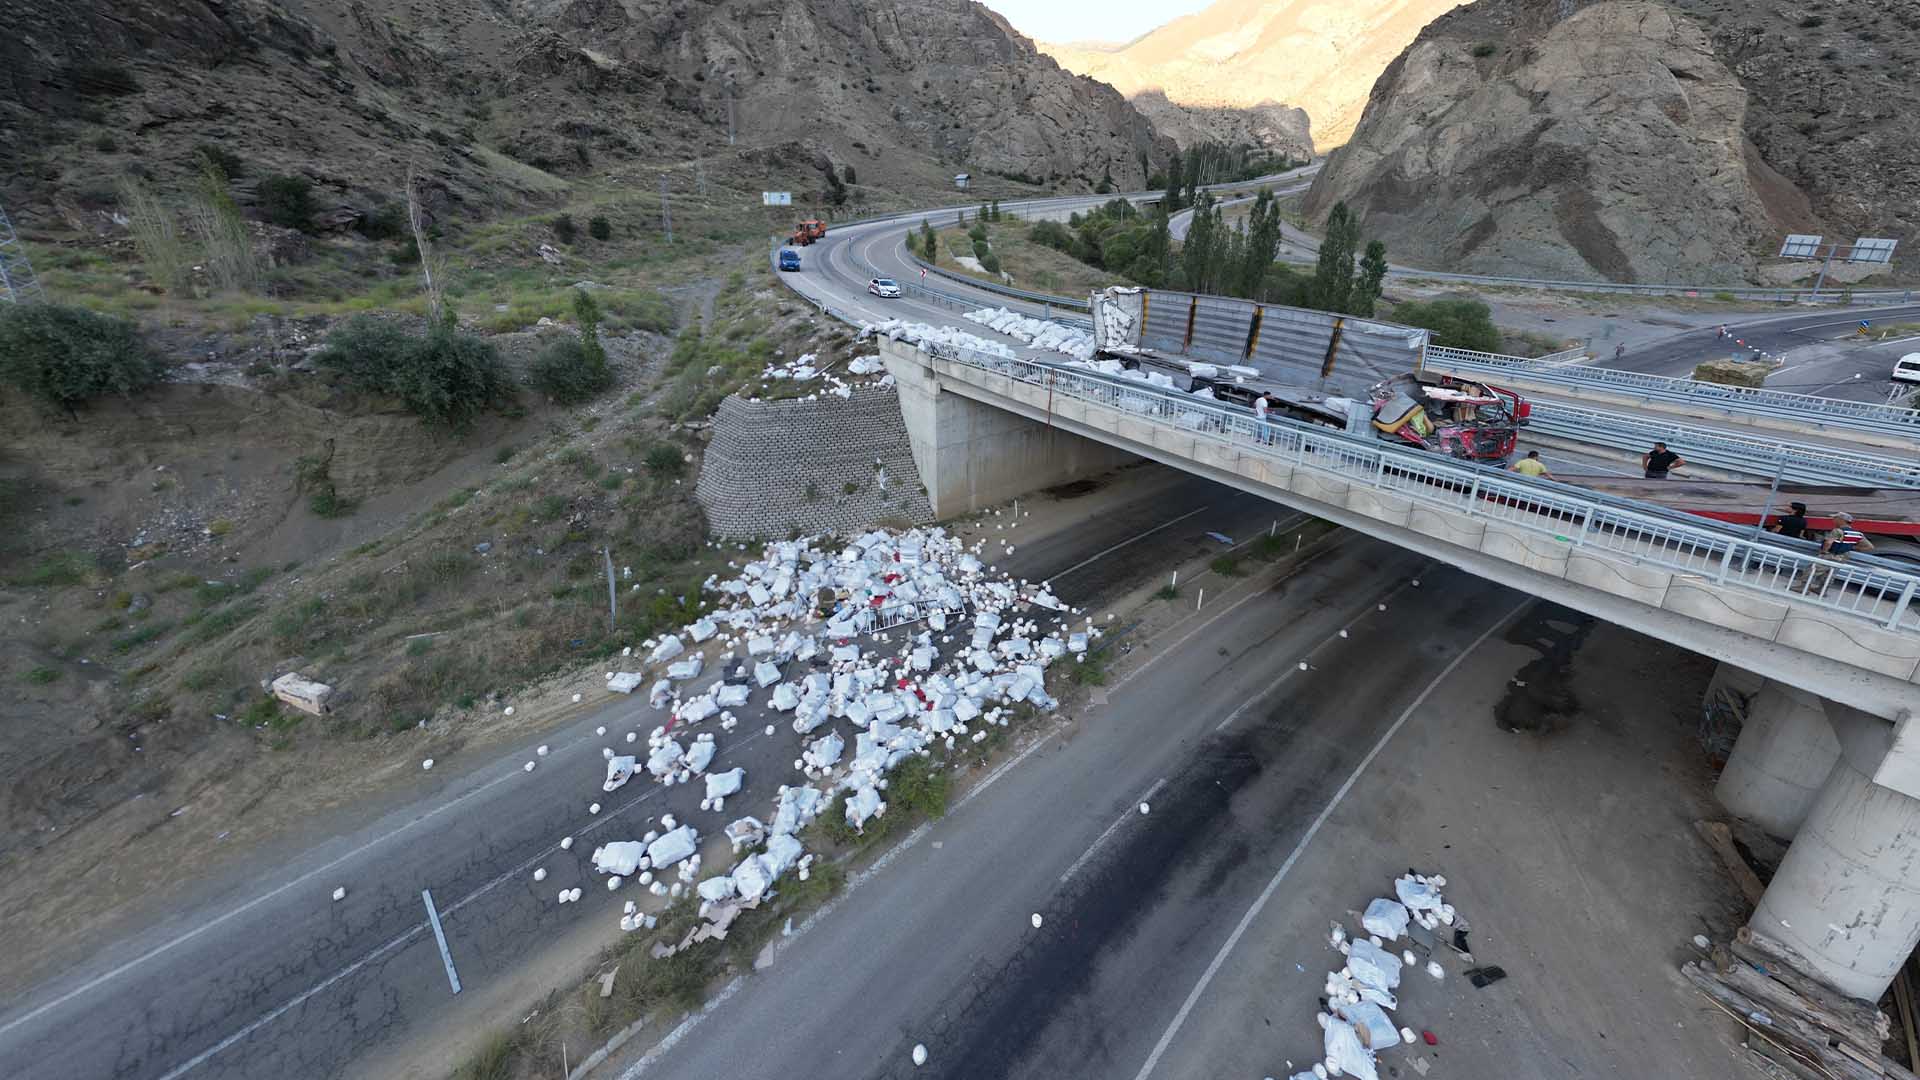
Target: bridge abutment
(1781, 760)
(971, 455)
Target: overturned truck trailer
(1359, 374)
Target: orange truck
(808, 231)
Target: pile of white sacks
(1039, 333)
(924, 335)
(1360, 995)
(978, 644)
(807, 369)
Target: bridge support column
(972, 455)
(1847, 896)
(1783, 756)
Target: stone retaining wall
(765, 454)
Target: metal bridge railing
(1749, 454)
(1623, 528)
(1800, 408)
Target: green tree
(929, 241)
(996, 209)
(65, 356)
(1373, 277)
(1261, 248)
(574, 370)
(600, 228)
(1456, 322)
(564, 230)
(1333, 278)
(1105, 186)
(1202, 255)
(1176, 180)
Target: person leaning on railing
(1835, 544)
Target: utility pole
(729, 117)
(666, 212)
(18, 283)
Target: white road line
(217, 920)
(440, 936)
(1111, 829)
(404, 937)
(1103, 554)
(1259, 904)
(1290, 672)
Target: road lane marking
(440, 936)
(1101, 555)
(1260, 903)
(1130, 811)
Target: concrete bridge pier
(971, 455)
(1781, 760)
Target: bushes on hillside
(65, 356)
(443, 376)
(287, 201)
(572, 370)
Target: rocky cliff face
(1269, 125)
(502, 100)
(1635, 140)
(1610, 144)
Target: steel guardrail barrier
(1800, 408)
(1752, 455)
(1620, 527)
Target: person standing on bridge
(1660, 461)
(1531, 465)
(1836, 544)
(1262, 430)
(1792, 525)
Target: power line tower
(18, 285)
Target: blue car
(789, 259)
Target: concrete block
(1851, 640)
(1380, 505)
(1448, 526)
(1634, 581)
(1313, 484)
(1725, 606)
(1535, 551)
(303, 693)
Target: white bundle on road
(1373, 966)
(700, 754)
(665, 758)
(624, 682)
(864, 805)
(1385, 918)
(824, 752)
(1346, 1054)
(721, 785)
(673, 847)
(668, 648)
(689, 668)
(621, 858)
(619, 771)
(797, 807)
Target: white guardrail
(1799, 408)
(1623, 529)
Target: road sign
(1800, 246)
(1868, 249)
(776, 198)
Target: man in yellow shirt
(1531, 465)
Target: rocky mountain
(1634, 140)
(1268, 125)
(1318, 55)
(503, 100)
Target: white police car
(884, 287)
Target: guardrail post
(1900, 608)
(1473, 494)
(1726, 562)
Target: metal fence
(1730, 451)
(1817, 412)
(1582, 519)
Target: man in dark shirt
(1659, 461)
(1794, 524)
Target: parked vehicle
(789, 259)
(808, 231)
(1907, 368)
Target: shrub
(226, 161)
(287, 201)
(386, 221)
(1051, 233)
(1484, 49)
(564, 230)
(978, 234)
(573, 370)
(990, 263)
(65, 355)
(41, 676)
(600, 229)
(665, 459)
(443, 376)
(1456, 323)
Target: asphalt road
(1236, 751)
(1821, 349)
(264, 975)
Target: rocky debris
(1607, 145)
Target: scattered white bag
(1346, 1054)
(673, 847)
(721, 785)
(1373, 966)
(619, 771)
(1385, 918)
(621, 858)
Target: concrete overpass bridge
(1831, 751)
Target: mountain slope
(1318, 55)
(501, 100)
(1635, 141)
